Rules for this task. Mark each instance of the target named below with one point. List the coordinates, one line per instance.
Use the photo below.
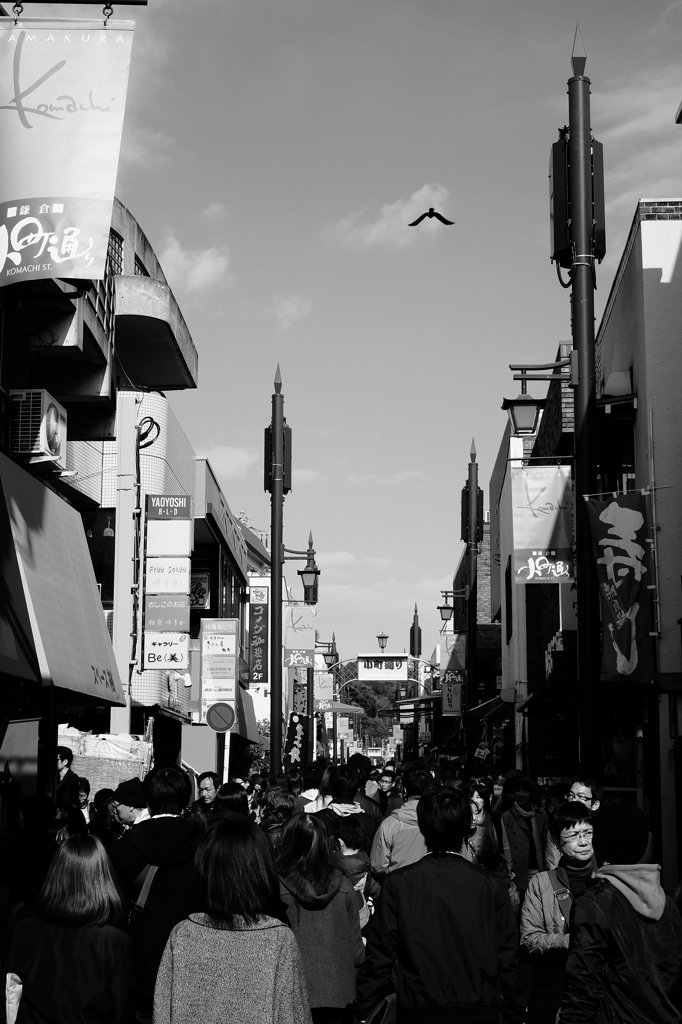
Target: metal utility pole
(275, 474)
(415, 651)
(310, 708)
(582, 317)
(472, 573)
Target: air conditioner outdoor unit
(38, 427)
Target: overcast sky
(275, 151)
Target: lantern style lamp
(382, 640)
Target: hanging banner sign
(324, 690)
(295, 746)
(451, 697)
(259, 630)
(299, 622)
(619, 538)
(543, 524)
(453, 657)
(62, 98)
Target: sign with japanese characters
(62, 99)
(218, 662)
(259, 628)
(166, 650)
(166, 613)
(543, 524)
(295, 745)
(295, 657)
(385, 668)
(451, 697)
(167, 575)
(621, 547)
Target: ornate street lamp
(383, 640)
(309, 575)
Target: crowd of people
(333, 895)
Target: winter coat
(625, 951)
(369, 824)
(327, 929)
(356, 867)
(446, 929)
(398, 841)
(252, 974)
(77, 975)
(170, 843)
(543, 928)
(520, 831)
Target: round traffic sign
(220, 717)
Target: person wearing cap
(625, 950)
(130, 804)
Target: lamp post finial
(579, 54)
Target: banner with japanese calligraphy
(63, 90)
(453, 657)
(259, 627)
(296, 742)
(619, 538)
(299, 622)
(543, 524)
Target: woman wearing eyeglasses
(546, 910)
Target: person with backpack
(349, 854)
(546, 910)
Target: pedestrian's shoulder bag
(141, 886)
(562, 894)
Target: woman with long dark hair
(73, 960)
(277, 808)
(323, 912)
(236, 959)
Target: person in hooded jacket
(322, 910)
(349, 854)
(167, 842)
(398, 841)
(625, 950)
(343, 785)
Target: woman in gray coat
(236, 960)
(546, 910)
(322, 909)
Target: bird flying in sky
(430, 213)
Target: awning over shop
(52, 628)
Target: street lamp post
(582, 196)
(472, 573)
(277, 467)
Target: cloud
(342, 560)
(215, 211)
(390, 229)
(290, 308)
(306, 476)
(231, 463)
(144, 148)
(193, 270)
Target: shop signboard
(259, 632)
(451, 698)
(543, 524)
(169, 506)
(63, 86)
(453, 653)
(166, 650)
(324, 690)
(167, 575)
(218, 662)
(200, 591)
(385, 668)
(169, 537)
(166, 613)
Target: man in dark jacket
(343, 786)
(168, 843)
(625, 952)
(447, 928)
